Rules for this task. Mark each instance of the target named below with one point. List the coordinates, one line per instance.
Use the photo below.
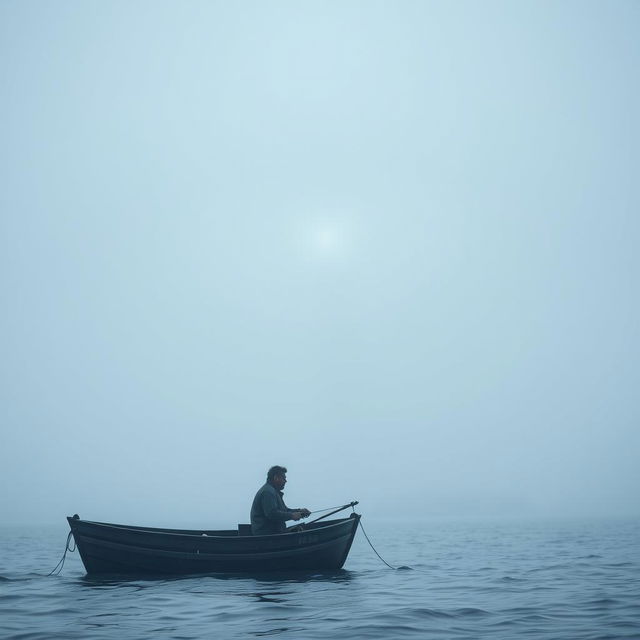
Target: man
(268, 511)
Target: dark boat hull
(120, 549)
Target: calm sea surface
(578, 579)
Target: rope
(64, 555)
(374, 549)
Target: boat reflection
(280, 577)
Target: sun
(324, 239)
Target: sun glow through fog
(325, 239)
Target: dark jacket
(269, 512)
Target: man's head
(277, 476)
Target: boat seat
(244, 530)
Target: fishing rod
(342, 508)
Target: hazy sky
(390, 245)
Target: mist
(391, 246)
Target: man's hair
(275, 471)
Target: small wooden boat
(121, 549)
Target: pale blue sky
(390, 245)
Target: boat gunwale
(203, 532)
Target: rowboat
(107, 548)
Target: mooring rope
(64, 555)
(352, 505)
(374, 549)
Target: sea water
(467, 579)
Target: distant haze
(393, 246)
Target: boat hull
(119, 549)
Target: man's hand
(305, 513)
(296, 515)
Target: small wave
(551, 567)
(10, 596)
(424, 612)
(276, 631)
(25, 577)
(471, 611)
(383, 630)
(54, 612)
(514, 611)
(603, 602)
(35, 635)
(533, 617)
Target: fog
(391, 246)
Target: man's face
(279, 481)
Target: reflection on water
(107, 580)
